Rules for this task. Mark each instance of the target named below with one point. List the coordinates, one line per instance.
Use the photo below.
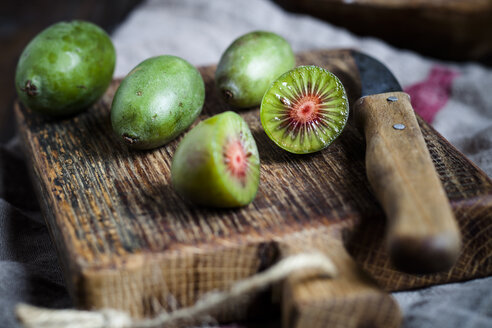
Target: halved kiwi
(217, 163)
(305, 109)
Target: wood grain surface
(126, 240)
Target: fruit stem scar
(129, 139)
(227, 94)
(30, 89)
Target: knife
(422, 234)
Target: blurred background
(453, 30)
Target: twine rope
(304, 264)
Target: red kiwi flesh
(305, 109)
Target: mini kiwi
(217, 163)
(305, 109)
(249, 65)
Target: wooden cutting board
(126, 240)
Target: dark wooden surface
(126, 240)
(457, 30)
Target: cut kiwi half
(217, 163)
(305, 109)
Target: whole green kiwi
(249, 65)
(65, 68)
(160, 98)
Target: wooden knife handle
(351, 299)
(423, 236)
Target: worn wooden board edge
(71, 281)
(85, 278)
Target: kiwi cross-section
(217, 163)
(305, 109)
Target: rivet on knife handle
(422, 236)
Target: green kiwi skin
(249, 65)
(197, 173)
(156, 102)
(65, 69)
(284, 85)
